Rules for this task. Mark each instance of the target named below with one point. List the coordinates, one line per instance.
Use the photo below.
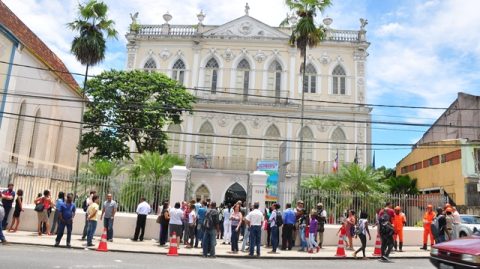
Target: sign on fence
(271, 168)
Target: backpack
(84, 205)
(208, 221)
(278, 219)
(435, 227)
(386, 227)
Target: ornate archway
(202, 192)
(235, 193)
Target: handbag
(159, 219)
(39, 207)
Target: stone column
(177, 186)
(258, 181)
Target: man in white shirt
(143, 209)
(254, 220)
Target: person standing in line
(8, 196)
(385, 218)
(108, 214)
(164, 221)
(267, 213)
(300, 206)
(86, 203)
(312, 231)
(211, 229)
(289, 220)
(254, 220)
(2, 215)
(322, 219)
(236, 222)
(274, 232)
(399, 220)
(66, 213)
(60, 200)
(143, 209)
(17, 211)
(176, 224)
(302, 225)
(227, 227)
(92, 212)
(202, 210)
(192, 219)
(427, 226)
(363, 229)
(246, 236)
(186, 211)
(42, 215)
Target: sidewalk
(152, 247)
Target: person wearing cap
(427, 226)
(450, 222)
(399, 220)
(322, 219)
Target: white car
(470, 224)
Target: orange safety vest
(399, 220)
(428, 218)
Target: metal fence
(338, 203)
(126, 191)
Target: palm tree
(305, 34)
(98, 175)
(90, 45)
(149, 176)
(402, 185)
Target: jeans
(54, 223)
(163, 234)
(2, 237)
(303, 239)
(85, 228)
(108, 224)
(255, 238)
(199, 233)
(246, 238)
(209, 241)
(191, 234)
(274, 237)
(287, 236)
(92, 226)
(387, 245)
(234, 238)
(61, 230)
(7, 209)
(311, 241)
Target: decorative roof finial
(247, 8)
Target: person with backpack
(211, 229)
(438, 226)
(362, 233)
(322, 219)
(274, 222)
(428, 218)
(385, 217)
(289, 219)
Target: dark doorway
(235, 193)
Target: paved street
(20, 256)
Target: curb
(244, 256)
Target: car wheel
(462, 234)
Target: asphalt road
(22, 256)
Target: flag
(373, 162)
(356, 157)
(335, 163)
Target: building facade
(40, 108)
(446, 159)
(248, 84)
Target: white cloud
(393, 28)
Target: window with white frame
(238, 150)
(275, 80)
(205, 141)
(178, 72)
(338, 138)
(243, 78)
(310, 82)
(339, 80)
(173, 143)
(211, 75)
(271, 146)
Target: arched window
(150, 65)
(174, 138)
(33, 153)
(239, 147)
(18, 139)
(271, 147)
(211, 75)
(275, 80)
(243, 78)
(202, 193)
(205, 143)
(338, 80)
(178, 72)
(338, 136)
(307, 158)
(310, 82)
(58, 146)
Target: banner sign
(271, 168)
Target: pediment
(248, 27)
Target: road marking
(117, 260)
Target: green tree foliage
(131, 106)
(402, 185)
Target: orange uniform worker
(427, 226)
(399, 220)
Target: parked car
(470, 224)
(457, 254)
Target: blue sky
(422, 53)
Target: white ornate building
(248, 83)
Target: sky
(422, 53)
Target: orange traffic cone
(172, 251)
(341, 248)
(378, 247)
(103, 242)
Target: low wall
(124, 227)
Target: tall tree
(131, 106)
(305, 34)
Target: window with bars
(339, 80)
(310, 82)
(271, 147)
(211, 75)
(178, 72)
(150, 65)
(19, 132)
(275, 80)
(243, 78)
